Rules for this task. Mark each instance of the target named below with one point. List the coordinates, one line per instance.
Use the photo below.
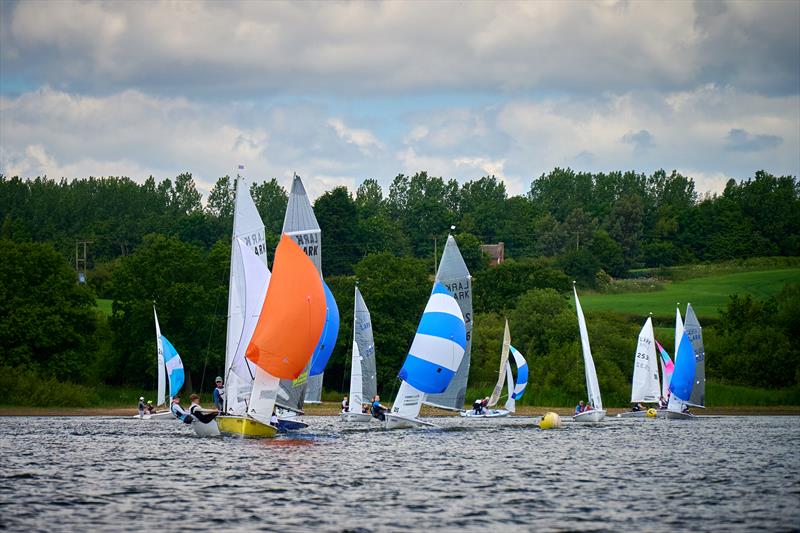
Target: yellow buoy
(652, 413)
(550, 420)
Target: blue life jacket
(180, 414)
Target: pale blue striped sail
(438, 346)
(682, 380)
(330, 333)
(522, 374)
(174, 367)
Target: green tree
(336, 213)
(47, 319)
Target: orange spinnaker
(293, 314)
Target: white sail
(454, 275)
(498, 388)
(695, 334)
(511, 403)
(263, 395)
(301, 224)
(408, 401)
(645, 386)
(363, 378)
(247, 226)
(592, 386)
(678, 330)
(162, 378)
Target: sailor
(196, 410)
(345, 404)
(477, 406)
(378, 410)
(219, 394)
(662, 403)
(580, 407)
(179, 412)
(484, 404)
(364, 408)
(149, 407)
(141, 406)
(638, 407)
(273, 420)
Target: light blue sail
(438, 346)
(683, 378)
(522, 374)
(174, 367)
(324, 349)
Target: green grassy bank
(707, 294)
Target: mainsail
(695, 334)
(363, 375)
(300, 224)
(498, 388)
(682, 381)
(592, 386)
(435, 355)
(453, 274)
(645, 386)
(162, 380)
(247, 226)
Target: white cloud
(362, 138)
(215, 48)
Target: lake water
(722, 474)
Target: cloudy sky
(343, 91)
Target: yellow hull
(245, 427)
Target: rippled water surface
(732, 473)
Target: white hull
(206, 430)
(357, 418)
(491, 413)
(158, 417)
(593, 416)
(677, 415)
(394, 421)
(660, 413)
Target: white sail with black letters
(453, 274)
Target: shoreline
(332, 409)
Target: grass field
(707, 294)
(104, 306)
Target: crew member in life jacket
(141, 406)
(196, 410)
(150, 409)
(179, 412)
(219, 394)
(345, 404)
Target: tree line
(157, 243)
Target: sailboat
(515, 390)
(301, 224)
(454, 275)
(645, 387)
(682, 383)
(363, 375)
(176, 375)
(433, 359)
(596, 413)
(286, 332)
(694, 331)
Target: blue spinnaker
(174, 367)
(683, 378)
(324, 349)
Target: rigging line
(208, 345)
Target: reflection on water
(735, 473)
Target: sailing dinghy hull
(244, 426)
(158, 417)
(590, 417)
(493, 413)
(677, 415)
(394, 421)
(356, 418)
(660, 413)
(210, 429)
